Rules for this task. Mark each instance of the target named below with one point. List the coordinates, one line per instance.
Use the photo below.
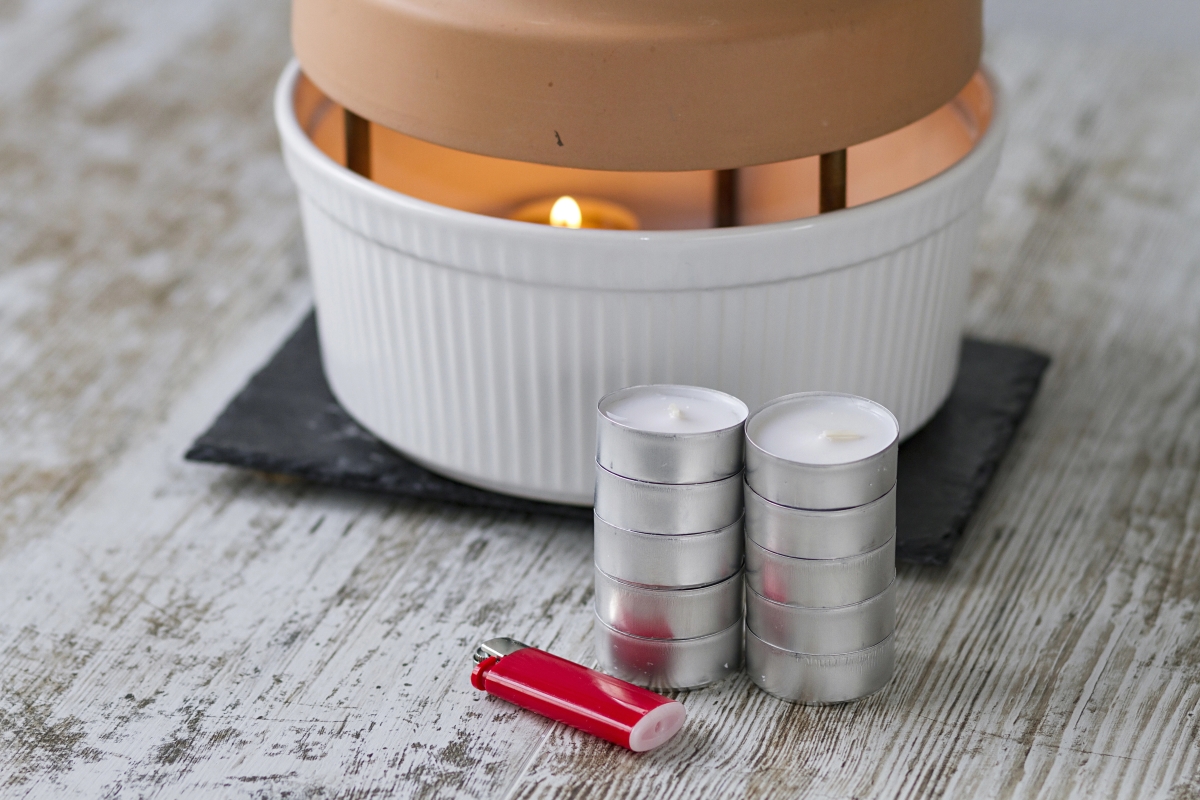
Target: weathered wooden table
(176, 630)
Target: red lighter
(571, 693)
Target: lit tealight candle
(577, 212)
(670, 434)
(821, 450)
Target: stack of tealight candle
(821, 547)
(669, 535)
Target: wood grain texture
(174, 630)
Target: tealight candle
(582, 212)
(673, 409)
(821, 450)
(670, 434)
(825, 429)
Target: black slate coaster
(286, 421)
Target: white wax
(674, 409)
(824, 429)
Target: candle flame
(841, 436)
(566, 213)
(674, 411)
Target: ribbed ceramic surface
(480, 347)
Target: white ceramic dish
(479, 346)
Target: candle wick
(674, 411)
(841, 436)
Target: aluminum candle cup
(820, 582)
(819, 679)
(674, 560)
(670, 434)
(667, 508)
(801, 533)
(668, 613)
(669, 663)
(821, 451)
(822, 631)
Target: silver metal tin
(820, 582)
(822, 631)
(817, 486)
(802, 533)
(668, 613)
(669, 663)
(658, 457)
(665, 507)
(668, 560)
(819, 679)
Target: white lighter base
(825, 429)
(674, 409)
(657, 727)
